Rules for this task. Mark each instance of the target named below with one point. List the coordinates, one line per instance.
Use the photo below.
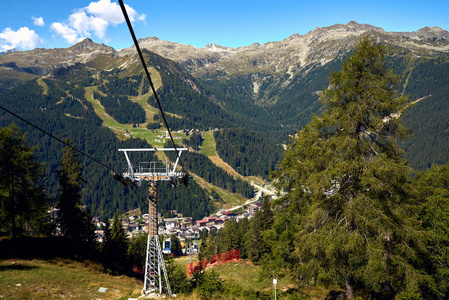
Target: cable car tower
(153, 172)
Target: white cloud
(112, 12)
(23, 38)
(142, 18)
(84, 24)
(38, 21)
(69, 34)
(80, 22)
(107, 10)
(94, 19)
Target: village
(185, 228)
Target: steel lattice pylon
(152, 172)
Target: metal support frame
(153, 172)
(152, 282)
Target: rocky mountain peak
(216, 48)
(294, 36)
(341, 30)
(88, 44)
(148, 40)
(353, 25)
(430, 32)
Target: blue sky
(28, 24)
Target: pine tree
(228, 238)
(137, 250)
(106, 251)
(23, 206)
(176, 248)
(256, 245)
(209, 244)
(176, 276)
(74, 223)
(115, 248)
(107, 231)
(243, 228)
(355, 221)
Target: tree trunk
(13, 225)
(349, 287)
(13, 212)
(387, 288)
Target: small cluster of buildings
(183, 227)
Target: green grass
(242, 273)
(247, 276)
(123, 130)
(230, 199)
(182, 261)
(44, 86)
(62, 278)
(208, 147)
(108, 121)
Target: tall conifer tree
(349, 186)
(115, 247)
(73, 221)
(23, 206)
(256, 245)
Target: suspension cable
(115, 174)
(142, 60)
(58, 139)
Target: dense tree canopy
(249, 153)
(433, 192)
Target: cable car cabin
(192, 249)
(167, 246)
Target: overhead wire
(56, 138)
(115, 174)
(153, 89)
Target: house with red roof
(201, 223)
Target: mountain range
(320, 45)
(259, 93)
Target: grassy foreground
(62, 278)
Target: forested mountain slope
(58, 105)
(252, 97)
